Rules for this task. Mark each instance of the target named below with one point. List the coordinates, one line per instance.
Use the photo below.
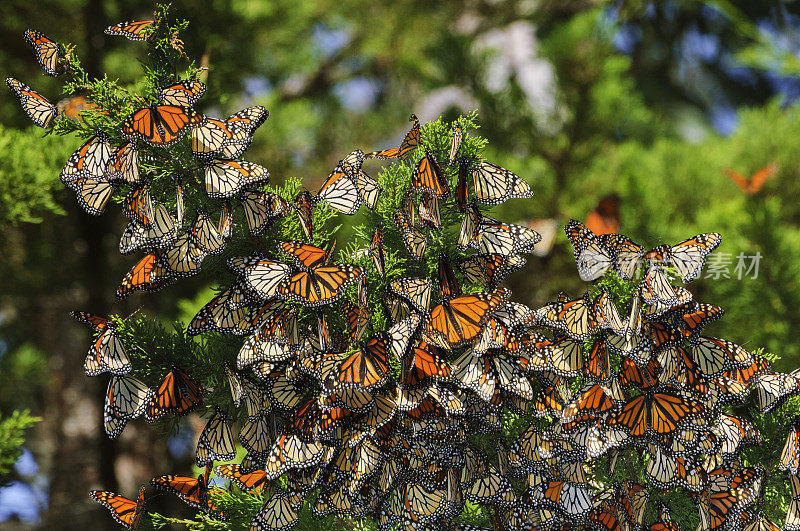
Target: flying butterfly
(41, 111)
(753, 184)
(46, 50)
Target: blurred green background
(645, 104)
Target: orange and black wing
(141, 30)
(178, 394)
(46, 50)
(126, 512)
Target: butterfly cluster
(398, 380)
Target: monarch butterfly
(627, 253)
(226, 178)
(192, 491)
(148, 274)
(572, 498)
(402, 333)
(588, 404)
(413, 238)
(772, 390)
(448, 285)
(90, 160)
(124, 163)
(106, 354)
(365, 368)
(178, 394)
(593, 258)
(367, 188)
(216, 441)
(495, 237)
(277, 513)
(656, 288)
(693, 319)
(688, 256)
(356, 318)
(429, 178)
(409, 143)
(138, 205)
(376, 252)
(158, 236)
(162, 125)
(489, 269)
(757, 522)
(458, 321)
(666, 471)
(41, 111)
(455, 143)
(475, 374)
(737, 433)
(142, 30)
(495, 185)
(790, 455)
(340, 192)
(511, 379)
(46, 50)
(714, 355)
(252, 481)
(604, 218)
(316, 283)
(662, 413)
(665, 522)
(290, 451)
(127, 397)
(262, 277)
(792, 521)
(184, 257)
(224, 313)
(753, 184)
(469, 234)
(261, 209)
(461, 193)
(229, 138)
(304, 207)
(125, 512)
(182, 93)
(574, 317)
(429, 211)
(607, 316)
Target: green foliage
(12, 437)
(27, 188)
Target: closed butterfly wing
(140, 30)
(41, 111)
(46, 50)
(182, 93)
(226, 178)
